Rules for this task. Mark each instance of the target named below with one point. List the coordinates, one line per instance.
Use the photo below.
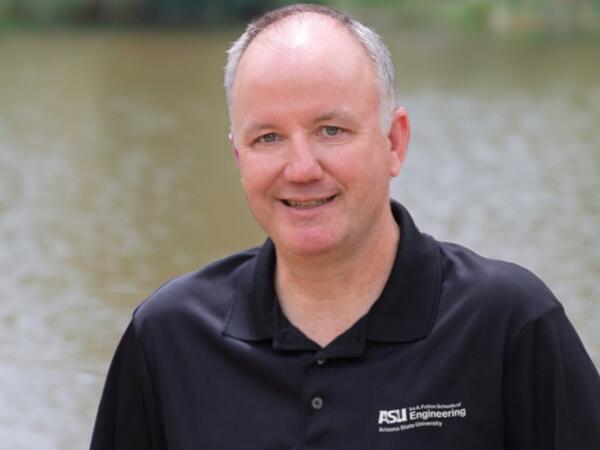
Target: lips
(306, 204)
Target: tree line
(165, 12)
(552, 15)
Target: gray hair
(369, 39)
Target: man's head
(314, 159)
(370, 41)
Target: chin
(307, 244)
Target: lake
(115, 175)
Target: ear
(398, 138)
(236, 153)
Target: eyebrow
(255, 127)
(333, 115)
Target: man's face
(314, 163)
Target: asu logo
(392, 416)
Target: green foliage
(468, 14)
(167, 12)
(500, 15)
(205, 11)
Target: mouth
(307, 204)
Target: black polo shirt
(459, 352)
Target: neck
(325, 295)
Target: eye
(331, 131)
(267, 138)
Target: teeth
(308, 203)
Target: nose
(302, 163)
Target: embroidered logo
(426, 415)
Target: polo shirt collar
(404, 312)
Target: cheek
(258, 171)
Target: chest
(393, 396)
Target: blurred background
(115, 172)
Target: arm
(127, 417)
(551, 389)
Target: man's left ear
(398, 137)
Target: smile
(305, 204)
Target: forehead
(301, 56)
(318, 41)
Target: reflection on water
(115, 175)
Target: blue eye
(332, 131)
(268, 138)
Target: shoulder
(203, 294)
(496, 280)
(498, 293)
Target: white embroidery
(419, 416)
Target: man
(348, 329)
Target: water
(115, 174)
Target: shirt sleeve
(127, 418)
(551, 389)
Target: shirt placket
(317, 395)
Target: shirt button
(321, 361)
(316, 403)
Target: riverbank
(504, 17)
